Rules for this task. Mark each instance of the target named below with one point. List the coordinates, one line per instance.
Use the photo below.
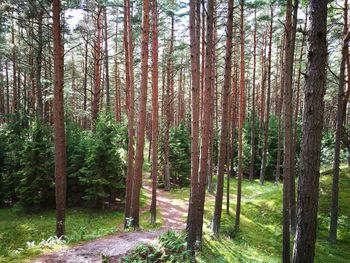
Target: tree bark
(308, 188)
(38, 65)
(154, 142)
(241, 120)
(129, 80)
(287, 113)
(224, 123)
(252, 131)
(206, 118)
(142, 117)
(195, 89)
(292, 201)
(97, 62)
(59, 132)
(267, 116)
(108, 102)
(341, 103)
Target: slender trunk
(206, 119)
(14, 71)
(241, 119)
(85, 80)
(308, 188)
(223, 136)
(38, 65)
(195, 89)
(142, 117)
(129, 80)
(267, 116)
(252, 125)
(169, 113)
(97, 62)
(287, 113)
(108, 102)
(7, 88)
(2, 94)
(59, 133)
(263, 79)
(154, 111)
(279, 103)
(212, 104)
(117, 98)
(341, 103)
(292, 200)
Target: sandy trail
(173, 212)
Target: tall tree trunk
(117, 98)
(292, 201)
(7, 88)
(212, 104)
(85, 80)
(97, 62)
(224, 123)
(241, 119)
(206, 118)
(154, 142)
(169, 110)
(14, 71)
(267, 116)
(279, 103)
(59, 133)
(308, 188)
(341, 103)
(142, 116)
(2, 94)
(195, 89)
(108, 101)
(129, 80)
(263, 79)
(252, 125)
(287, 113)
(38, 65)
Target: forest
(174, 131)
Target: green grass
(260, 235)
(17, 228)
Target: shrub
(171, 247)
(180, 155)
(36, 188)
(103, 174)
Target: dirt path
(115, 246)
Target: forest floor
(113, 247)
(259, 238)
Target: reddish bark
(135, 207)
(59, 132)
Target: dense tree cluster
(212, 88)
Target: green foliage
(171, 247)
(327, 148)
(11, 145)
(95, 163)
(36, 188)
(180, 155)
(104, 172)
